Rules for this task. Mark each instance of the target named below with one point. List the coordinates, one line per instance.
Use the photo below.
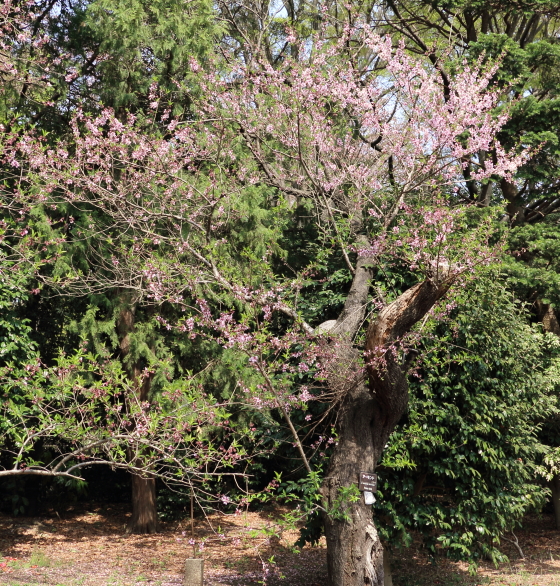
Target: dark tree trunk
(511, 194)
(144, 517)
(555, 487)
(144, 507)
(144, 510)
(548, 317)
(371, 405)
(387, 570)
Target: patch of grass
(41, 583)
(114, 579)
(161, 564)
(239, 565)
(39, 559)
(447, 580)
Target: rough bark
(144, 507)
(555, 486)
(354, 551)
(510, 193)
(353, 313)
(371, 406)
(548, 317)
(387, 378)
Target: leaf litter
(90, 547)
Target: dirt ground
(90, 548)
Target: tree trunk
(548, 317)
(555, 486)
(144, 510)
(367, 416)
(354, 551)
(387, 570)
(144, 506)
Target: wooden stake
(247, 495)
(192, 514)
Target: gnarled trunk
(367, 416)
(354, 551)
(144, 507)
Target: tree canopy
(328, 232)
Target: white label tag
(368, 497)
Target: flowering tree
(357, 134)
(92, 412)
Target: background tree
(71, 56)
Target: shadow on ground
(89, 547)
